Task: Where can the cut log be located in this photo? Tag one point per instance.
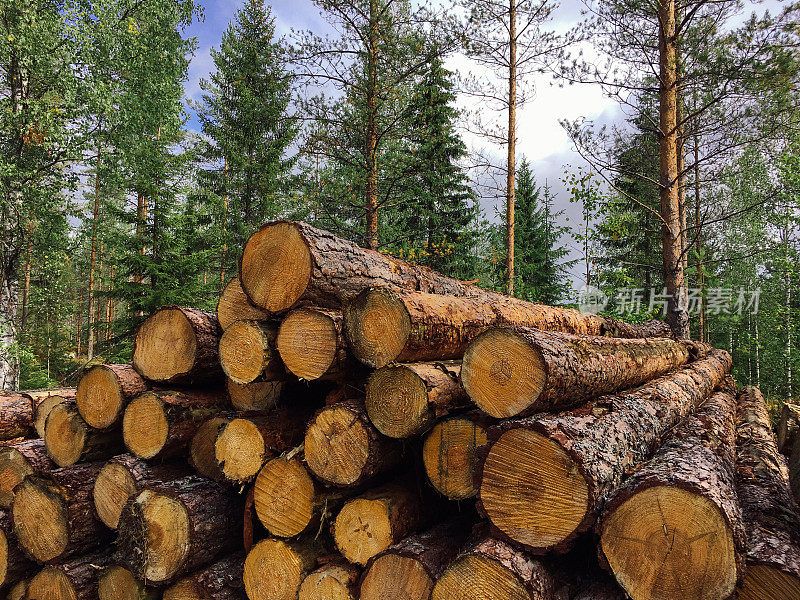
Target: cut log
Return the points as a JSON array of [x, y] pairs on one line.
[[337, 580], [343, 448], [511, 372], [18, 591], [788, 426], [18, 459], [178, 346], [545, 476], [14, 565], [490, 569], [370, 523], [69, 440], [234, 305], [75, 579], [287, 562], [53, 514], [770, 516], [104, 390], [257, 395], [450, 457], [247, 352], [409, 569], [176, 527], [118, 583], [202, 453], [311, 344], [162, 423], [222, 580], [43, 408], [674, 528], [16, 416], [405, 400], [794, 470], [122, 478], [385, 325]]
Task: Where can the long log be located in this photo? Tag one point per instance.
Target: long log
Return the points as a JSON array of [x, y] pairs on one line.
[[14, 565], [292, 559], [222, 580], [450, 455], [115, 582], [16, 416], [18, 459], [674, 528], [75, 579], [312, 346], [247, 352], [103, 392], [405, 400], [521, 371], [233, 305], [43, 407], [257, 395], [408, 570], [544, 476], [122, 478], [178, 345], [53, 514], [386, 325], [337, 580], [174, 528], [162, 423], [343, 448], [770, 515], [69, 439]]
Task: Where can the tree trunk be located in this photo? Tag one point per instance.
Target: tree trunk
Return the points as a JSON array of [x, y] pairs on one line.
[[203, 518], [78, 334], [103, 392], [54, 516], [16, 416], [90, 320], [247, 352], [511, 163], [692, 545], [14, 565], [222, 580], [337, 580], [233, 305], [371, 134], [312, 346], [405, 400], [788, 427], [26, 291], [343, 448], [76, 579], [17, 460], [770, 515], [118, 583], [702, 327], [178, 346], [293, 559], [512, 372], [583, 455], [385, 326], [70, 440]]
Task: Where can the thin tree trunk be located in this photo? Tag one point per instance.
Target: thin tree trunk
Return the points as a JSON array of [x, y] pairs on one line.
[[788, 318], [512, 145], [93, 259], [224, 228], [80, 314], [27, 289], [371, 133], [110, 302], [702, 328], [758, 356]]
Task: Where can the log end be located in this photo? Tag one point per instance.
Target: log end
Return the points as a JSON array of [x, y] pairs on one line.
[[13, 469], [202, 450], [99, 397], [43, 411], [449, 457], [475, 576], [118, 583], [145, 426], [257, 395], [503, 373], [397, 402], [113, 487], [396, 577], [377, 325], [65, 434], [666, 542], [245, 351], [53, 584], [763, 582], [273, 570], [239, 450], [233, 305], [40, 518], [532, 490], [363, 529], [329, 583], [186, 589], [308, 343], [165, 346], [337, 446], [4, 566], [284, 497], [276, 266], [17, 592]]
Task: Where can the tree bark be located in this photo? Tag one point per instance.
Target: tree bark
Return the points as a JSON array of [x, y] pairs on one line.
[[583, 455], [233, 305], [222, 580], [103, 392], [247, 352], [293, 559], [788, 427], [69, 440], [16, 416], [17, 460], [14, 565], [76, 578]]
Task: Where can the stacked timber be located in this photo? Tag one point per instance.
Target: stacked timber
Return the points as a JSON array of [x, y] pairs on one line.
[[348, 425]]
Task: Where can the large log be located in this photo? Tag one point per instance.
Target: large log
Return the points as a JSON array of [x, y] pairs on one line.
[[75, 579], [43, 407], [770, 515], [450, 455], [311, 344], [174, 528], [292, 559], [178, 345], [222, 580], [247, 352], [104, 390], [544, 476], [122, 478], [162, 423], [371, 522], [343, 448], [233, 305], [405, 400], [337, 580], [115, 582], [257, 395], [788, 427], [674, 527], [385, 325], [491, 569], [14, 565], [408, 570], [16, 416], [53, 514], [511, 372], [17, 459], [69, 439]]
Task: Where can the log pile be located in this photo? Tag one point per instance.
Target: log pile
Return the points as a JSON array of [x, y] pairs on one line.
[[348, 425]]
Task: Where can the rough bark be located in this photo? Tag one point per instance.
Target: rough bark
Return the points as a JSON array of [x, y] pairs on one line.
[[312, 346], [233, 305], [16, 416], [247, 352], [178, 345], [405, 400], [53, 514], [75, 579], [293, 559], [583, 455], [17, 459], [103, 392], [69, 440], [693, 543], [521, 371], [194, 509], [788, 426], [769, 513], [222, 580], [385, 325], [14, 565], [343, 448]]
